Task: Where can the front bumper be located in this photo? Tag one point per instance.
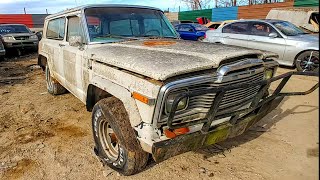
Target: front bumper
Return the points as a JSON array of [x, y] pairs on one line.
[[21, 44], [240, 120]]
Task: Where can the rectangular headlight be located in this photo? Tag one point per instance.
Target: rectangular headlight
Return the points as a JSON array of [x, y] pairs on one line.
[[183, 103]]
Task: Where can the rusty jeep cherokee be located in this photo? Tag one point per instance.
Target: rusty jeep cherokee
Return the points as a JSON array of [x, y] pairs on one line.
[[150, 92]]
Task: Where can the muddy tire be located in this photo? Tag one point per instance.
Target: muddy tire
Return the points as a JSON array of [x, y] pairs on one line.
[[53, 86], [116, 144], [308, 61]]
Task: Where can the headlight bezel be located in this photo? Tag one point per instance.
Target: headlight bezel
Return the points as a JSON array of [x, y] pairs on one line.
[[8, 38], [33, 37], [172, 95]]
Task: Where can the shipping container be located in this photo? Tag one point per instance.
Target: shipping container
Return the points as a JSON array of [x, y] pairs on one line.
[[306, 3], [222, 14], [193, 15]]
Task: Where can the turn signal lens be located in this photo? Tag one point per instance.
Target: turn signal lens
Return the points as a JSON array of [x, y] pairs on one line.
[[142, 98], [172, 134], [268, 74]]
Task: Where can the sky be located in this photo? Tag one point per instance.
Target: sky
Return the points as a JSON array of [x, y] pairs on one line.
[[53, 6]]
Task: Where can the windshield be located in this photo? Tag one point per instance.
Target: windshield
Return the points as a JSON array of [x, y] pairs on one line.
[[288, 29], [115, 24], [200, 27], [6, 29]]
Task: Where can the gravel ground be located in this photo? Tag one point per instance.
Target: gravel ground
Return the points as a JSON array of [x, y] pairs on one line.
[[49, 137]]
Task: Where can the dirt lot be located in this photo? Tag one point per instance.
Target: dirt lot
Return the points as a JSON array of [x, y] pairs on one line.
[[47, 137]]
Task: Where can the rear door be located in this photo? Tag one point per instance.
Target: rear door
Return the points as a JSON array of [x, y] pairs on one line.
[[259, 39], [53, 44], [236, 34]]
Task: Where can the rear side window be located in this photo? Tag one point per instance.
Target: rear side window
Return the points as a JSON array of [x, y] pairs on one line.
[[56, 29], [236, 28]]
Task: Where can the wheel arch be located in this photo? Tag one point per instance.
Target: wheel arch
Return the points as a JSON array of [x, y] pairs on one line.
[[42, 61], [102, 88], [296, 57]]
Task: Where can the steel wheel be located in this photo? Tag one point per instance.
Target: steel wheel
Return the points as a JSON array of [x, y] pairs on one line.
[[308, 61], [109, 140]]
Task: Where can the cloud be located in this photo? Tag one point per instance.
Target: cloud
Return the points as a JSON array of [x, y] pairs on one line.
[[53, 6]]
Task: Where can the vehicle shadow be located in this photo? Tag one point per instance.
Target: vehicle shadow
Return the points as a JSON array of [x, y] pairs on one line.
[[264, 125]]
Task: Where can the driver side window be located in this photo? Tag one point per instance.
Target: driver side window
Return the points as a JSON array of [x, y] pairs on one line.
[[261, 29]]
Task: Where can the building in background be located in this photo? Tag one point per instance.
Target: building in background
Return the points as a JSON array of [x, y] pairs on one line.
[[34, 21]]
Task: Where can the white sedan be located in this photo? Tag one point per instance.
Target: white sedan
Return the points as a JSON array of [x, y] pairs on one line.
[[294, 46]]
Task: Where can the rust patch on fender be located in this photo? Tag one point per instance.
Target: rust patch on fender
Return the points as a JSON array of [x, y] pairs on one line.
[[158, 43]]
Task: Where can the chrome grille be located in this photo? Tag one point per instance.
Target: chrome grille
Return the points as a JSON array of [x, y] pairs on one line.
[[235, 99], [21, 37]]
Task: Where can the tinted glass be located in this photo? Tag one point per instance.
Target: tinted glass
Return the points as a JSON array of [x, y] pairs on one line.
[[56, 29], [116, 24], [186, 28], [261, 29], [288, 28], [5, 29], [236, 28]]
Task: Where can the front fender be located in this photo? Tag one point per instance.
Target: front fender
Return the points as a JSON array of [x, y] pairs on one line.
[[123, 95]]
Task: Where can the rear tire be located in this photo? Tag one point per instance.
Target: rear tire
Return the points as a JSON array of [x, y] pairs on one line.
[[200, 38], [53, 86], [115, 139], [308, 61]]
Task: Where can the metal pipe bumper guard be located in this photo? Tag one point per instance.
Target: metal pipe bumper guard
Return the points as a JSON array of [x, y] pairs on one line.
[[239, 122]]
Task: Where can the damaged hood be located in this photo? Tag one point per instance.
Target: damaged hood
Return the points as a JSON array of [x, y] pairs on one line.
[[162, 59]]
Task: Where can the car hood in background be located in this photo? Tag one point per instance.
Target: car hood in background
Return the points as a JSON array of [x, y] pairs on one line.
[[305, 38], [162, 59], [18, 34]]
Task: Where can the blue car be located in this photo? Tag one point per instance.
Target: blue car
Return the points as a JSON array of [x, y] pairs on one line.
[[193, 32]]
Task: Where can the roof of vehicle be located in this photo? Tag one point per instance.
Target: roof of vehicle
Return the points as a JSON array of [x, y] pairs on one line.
[[12, 25], [190, 24], [99, 5]]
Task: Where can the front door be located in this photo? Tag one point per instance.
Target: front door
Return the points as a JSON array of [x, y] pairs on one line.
[[259, 39], [186, 32], [73, 60]]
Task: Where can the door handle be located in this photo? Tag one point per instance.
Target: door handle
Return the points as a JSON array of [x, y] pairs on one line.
[[62, 45], [252, 40], [227, 36]]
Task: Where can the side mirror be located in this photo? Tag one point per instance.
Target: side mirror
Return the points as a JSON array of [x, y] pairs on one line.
[[75, 41], [273, 35], [33, 31], [191, 30]]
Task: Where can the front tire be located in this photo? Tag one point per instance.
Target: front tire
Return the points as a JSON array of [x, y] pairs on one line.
[[53, 86], [308, 61], [115, 140]]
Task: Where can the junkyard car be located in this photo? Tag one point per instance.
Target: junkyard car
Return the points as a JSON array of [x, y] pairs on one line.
[[192, 31], [294, 46], [2, 51], [149, 91], [18, 36]]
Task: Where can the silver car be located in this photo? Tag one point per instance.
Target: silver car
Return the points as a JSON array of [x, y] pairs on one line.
[[294, 46]]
